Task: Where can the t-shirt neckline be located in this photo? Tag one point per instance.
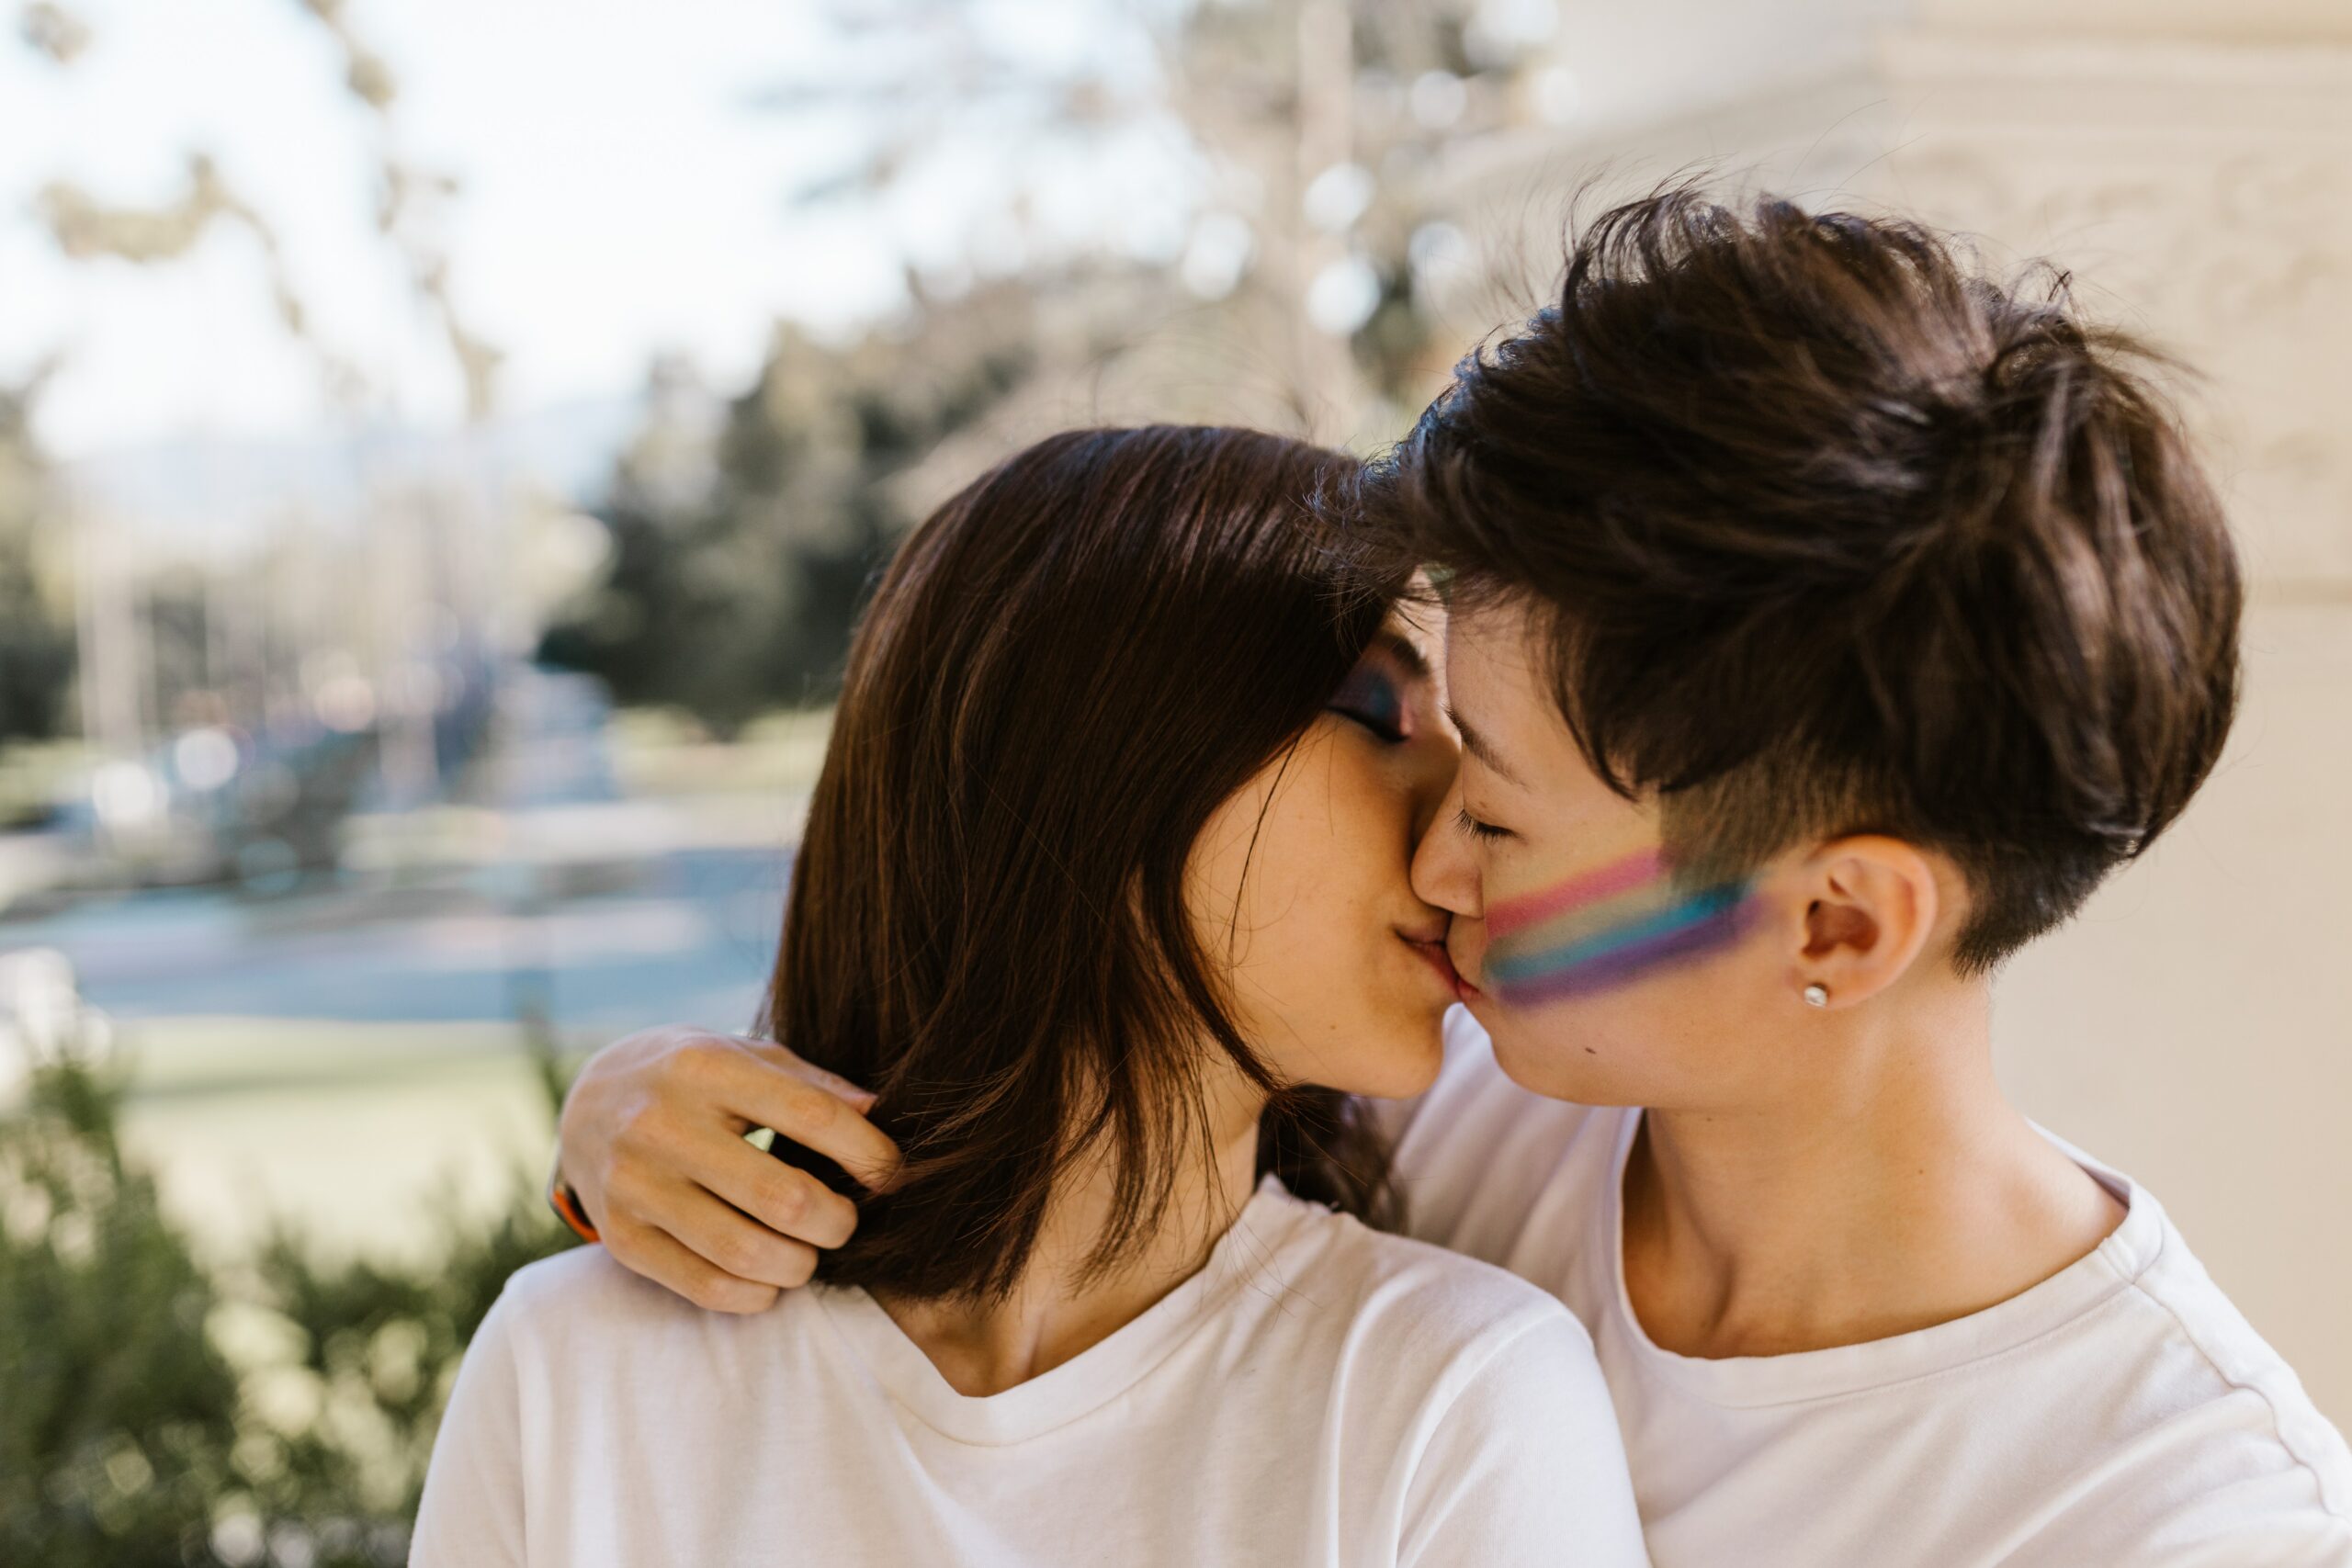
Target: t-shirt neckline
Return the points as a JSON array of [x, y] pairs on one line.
[[2120, 1259], [1089, 1380]]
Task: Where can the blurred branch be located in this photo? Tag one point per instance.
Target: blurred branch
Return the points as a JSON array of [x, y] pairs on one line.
[[407, 206], [1294, 143], [370, 79], [86, 228], [165, 1409], [54, 32]]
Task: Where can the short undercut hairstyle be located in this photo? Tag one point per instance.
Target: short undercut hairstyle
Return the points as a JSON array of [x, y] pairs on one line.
[[1827, 533]]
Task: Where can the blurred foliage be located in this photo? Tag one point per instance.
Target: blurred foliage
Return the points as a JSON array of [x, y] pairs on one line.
[[36, 632], [159, 1413], [53, 30], [1302, 159], [1288, 264], [735, 571], [409, 200], [121, 1419], [1257, 196]]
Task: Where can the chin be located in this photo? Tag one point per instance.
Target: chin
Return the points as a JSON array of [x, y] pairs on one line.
[[1549, 1061]]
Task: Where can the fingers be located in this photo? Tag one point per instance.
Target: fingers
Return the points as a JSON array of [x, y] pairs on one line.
[[769, 1050], [665, 1259], [798, 1101], [786, 1198], [651, 1136], [729, 1242]]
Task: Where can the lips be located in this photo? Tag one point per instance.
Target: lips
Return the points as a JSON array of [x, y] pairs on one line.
[[1463, 989], [1433, 953]]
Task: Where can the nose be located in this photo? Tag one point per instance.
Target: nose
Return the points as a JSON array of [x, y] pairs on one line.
[[1445, 871]]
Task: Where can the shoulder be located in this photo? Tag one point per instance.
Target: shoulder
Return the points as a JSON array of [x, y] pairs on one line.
[[1483, 1399], [1465, 1404], [1411, 1303], [2231, 1451], [573, 1279], [582, 1296], [2251, 1399]]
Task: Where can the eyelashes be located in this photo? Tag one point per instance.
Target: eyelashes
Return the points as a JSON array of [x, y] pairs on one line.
[[1485, 831]]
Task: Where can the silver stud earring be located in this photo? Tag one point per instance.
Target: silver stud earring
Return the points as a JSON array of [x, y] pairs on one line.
[[1817, 995]]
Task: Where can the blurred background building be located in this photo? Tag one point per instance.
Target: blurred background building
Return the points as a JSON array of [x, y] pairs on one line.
[[441, 448]]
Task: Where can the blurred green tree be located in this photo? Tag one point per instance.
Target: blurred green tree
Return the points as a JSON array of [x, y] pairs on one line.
[[129, 1438], [119, 1418], [1294, 165], [36, 631], [734, 596], [1258, 234]]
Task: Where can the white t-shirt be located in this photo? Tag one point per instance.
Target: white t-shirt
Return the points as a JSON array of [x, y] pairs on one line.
[[2120, 1413], [1318, 1393]]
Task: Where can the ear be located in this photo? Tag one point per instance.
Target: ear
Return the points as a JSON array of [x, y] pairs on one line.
[[1871, 904]]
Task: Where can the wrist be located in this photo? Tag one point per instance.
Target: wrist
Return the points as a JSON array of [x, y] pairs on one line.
[[565, 1201]]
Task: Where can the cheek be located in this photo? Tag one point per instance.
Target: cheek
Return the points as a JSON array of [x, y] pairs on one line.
[[1335, 992], [1280, 893], [1592, 1051], [1319, 881], [1679, 1040], [1337, 834]]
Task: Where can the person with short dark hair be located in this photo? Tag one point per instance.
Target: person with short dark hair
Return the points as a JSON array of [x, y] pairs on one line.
[[1825, 622], [1109, 948]]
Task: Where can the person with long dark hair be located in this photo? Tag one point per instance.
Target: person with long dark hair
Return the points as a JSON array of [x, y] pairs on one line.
[[1103, 891]]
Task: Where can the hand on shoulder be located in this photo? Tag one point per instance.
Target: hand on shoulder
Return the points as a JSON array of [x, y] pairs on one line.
[[653, 1139]]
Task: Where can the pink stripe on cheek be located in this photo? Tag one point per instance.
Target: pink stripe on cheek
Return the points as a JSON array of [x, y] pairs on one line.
[[1619, 876]]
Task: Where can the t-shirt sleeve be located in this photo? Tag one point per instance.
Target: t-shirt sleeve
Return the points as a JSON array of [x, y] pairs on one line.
[[2259, 1519], [471, 1510], [1526, 1465]]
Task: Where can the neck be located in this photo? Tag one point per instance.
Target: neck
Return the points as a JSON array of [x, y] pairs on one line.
[[1898, 1192], [1053, 1311]]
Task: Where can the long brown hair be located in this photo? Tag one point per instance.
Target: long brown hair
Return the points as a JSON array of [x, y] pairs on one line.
[[1066, 670]]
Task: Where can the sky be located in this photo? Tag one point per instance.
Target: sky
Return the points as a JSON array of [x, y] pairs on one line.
[[623, 188], [624, 195]]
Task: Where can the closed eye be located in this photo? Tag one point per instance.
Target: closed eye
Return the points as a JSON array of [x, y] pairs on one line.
[[1388, 732], [1372, 697], [1485, 831]]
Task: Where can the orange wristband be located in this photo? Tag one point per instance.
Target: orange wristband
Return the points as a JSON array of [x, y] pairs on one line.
[[565, 1204]]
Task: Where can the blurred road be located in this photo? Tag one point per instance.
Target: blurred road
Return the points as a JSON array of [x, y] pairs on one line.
[[546, 888], [336, 1053]]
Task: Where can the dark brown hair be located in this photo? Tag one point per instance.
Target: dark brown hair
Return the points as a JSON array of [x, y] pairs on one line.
[[1065, 672], [1828, 534]]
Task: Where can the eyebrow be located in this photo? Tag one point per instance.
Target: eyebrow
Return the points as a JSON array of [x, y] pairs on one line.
[[1478, 746], [1411, 657]]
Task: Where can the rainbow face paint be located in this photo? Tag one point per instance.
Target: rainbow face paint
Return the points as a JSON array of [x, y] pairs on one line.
[[1605, 927]]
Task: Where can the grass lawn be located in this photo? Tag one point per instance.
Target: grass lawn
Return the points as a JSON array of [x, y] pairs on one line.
[[350, 1130]]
